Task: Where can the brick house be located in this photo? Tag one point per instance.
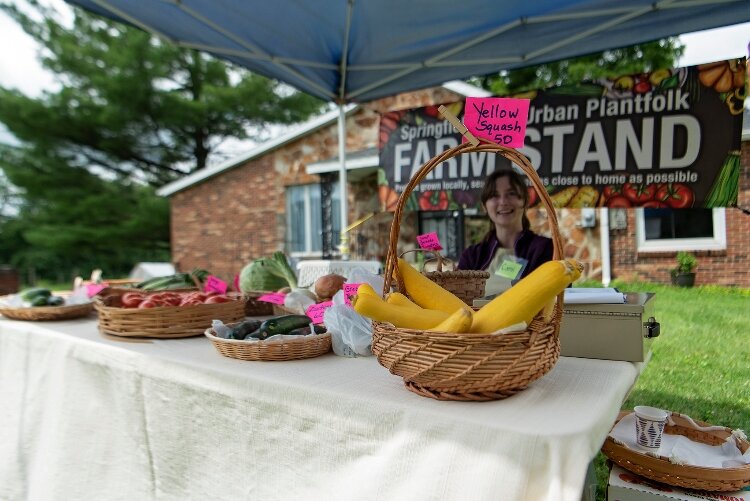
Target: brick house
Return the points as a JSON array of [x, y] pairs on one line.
[[282, 195]]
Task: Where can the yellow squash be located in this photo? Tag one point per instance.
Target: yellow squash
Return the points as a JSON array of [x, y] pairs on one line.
[[459, 321], [365, 288], [427, 293], [401, 316], [525, 299], [401, 300]]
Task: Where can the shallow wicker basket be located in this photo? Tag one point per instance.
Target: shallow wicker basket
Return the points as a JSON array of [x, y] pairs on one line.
[[288, 349], [255, 308], [163, 322], [660, 469], [451, 366], [47, 313]]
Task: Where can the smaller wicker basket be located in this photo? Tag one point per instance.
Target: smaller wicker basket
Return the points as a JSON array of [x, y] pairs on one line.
[[287, 349], [45, 313], [467, 285], [164, 322], [660, 469]]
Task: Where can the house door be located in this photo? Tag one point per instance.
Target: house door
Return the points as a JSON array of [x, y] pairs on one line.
[[449, 226]]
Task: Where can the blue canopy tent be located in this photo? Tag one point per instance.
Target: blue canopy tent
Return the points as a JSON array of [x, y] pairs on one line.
[[347, 50]]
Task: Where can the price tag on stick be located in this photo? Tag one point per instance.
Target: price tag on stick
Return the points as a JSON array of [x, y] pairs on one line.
[[349, 291], [273, 298], [215, 284], [499, 119], [429, 241], [316, 311]]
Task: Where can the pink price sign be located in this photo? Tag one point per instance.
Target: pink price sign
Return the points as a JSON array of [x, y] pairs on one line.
[[429, 241], [94, 289], [316, 311], [349, 291], [236, 283], [499, 119], [215, 284], [273, 298]]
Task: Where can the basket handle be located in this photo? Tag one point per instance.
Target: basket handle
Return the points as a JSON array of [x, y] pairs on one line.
[[391, 261], [437, 256]]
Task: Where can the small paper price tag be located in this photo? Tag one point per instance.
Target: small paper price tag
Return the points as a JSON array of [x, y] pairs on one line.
[[429, 241], [349, 291], [94, 289], [315, 311], [511, 267], [273, 298], [215, 284], [236, 283]]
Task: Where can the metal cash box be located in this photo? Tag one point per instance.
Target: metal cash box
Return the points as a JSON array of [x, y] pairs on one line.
[[610, 331]]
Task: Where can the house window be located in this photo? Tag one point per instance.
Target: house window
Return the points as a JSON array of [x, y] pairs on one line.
[[304, 219], [670, 230]]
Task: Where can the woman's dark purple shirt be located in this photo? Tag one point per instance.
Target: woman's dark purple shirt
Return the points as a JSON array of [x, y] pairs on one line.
[[536, 249]]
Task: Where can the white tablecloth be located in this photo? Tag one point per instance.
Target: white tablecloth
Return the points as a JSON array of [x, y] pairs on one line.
[[84, 417]]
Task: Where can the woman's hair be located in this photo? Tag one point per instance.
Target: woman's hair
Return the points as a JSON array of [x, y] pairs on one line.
[[517, 181]]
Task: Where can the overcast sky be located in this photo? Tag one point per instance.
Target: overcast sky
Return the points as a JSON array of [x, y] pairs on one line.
[[19, 67]]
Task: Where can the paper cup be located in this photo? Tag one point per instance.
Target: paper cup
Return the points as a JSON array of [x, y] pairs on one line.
[[649, 427]]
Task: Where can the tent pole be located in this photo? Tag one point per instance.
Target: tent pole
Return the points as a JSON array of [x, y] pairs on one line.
[[344, 243]]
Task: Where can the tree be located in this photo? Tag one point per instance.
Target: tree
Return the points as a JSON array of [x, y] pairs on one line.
[[627, 60], [131, 104], [132, 112]]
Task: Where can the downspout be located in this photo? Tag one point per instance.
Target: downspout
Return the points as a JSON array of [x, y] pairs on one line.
[[604, 237]]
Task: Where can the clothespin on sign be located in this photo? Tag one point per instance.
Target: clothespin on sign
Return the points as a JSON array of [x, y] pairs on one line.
[[458, 125]]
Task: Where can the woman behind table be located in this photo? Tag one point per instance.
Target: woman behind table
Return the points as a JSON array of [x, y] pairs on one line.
[[510, 250]]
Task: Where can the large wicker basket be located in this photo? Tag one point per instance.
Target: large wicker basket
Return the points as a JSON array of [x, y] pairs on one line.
[[660, 469], [451, 366], [274, 350], [164, 322], [47, 313]]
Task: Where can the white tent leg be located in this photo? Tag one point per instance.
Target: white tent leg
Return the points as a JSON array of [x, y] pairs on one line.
[[344, 244], [604, 238]]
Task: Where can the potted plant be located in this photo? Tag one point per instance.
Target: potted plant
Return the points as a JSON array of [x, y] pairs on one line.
[[683, 275]]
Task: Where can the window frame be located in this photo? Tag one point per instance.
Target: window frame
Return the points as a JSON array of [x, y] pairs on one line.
[[717, 242], [308, 215]]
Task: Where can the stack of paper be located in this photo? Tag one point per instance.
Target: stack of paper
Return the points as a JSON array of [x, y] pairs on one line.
[[593, 295]]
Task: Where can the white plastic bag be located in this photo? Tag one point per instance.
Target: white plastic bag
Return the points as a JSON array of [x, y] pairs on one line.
[[351, 333]]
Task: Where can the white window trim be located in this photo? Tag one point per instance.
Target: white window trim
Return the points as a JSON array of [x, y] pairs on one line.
[[307, 254], [718, 242]]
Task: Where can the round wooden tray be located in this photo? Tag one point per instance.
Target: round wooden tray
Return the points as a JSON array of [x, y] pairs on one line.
[[291, 349], [660, 469], [46, 313]]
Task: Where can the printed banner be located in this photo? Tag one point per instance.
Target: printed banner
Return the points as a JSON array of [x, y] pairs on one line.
[[669, 138]]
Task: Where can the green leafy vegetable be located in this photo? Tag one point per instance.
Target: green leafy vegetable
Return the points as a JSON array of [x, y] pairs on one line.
[[268, 274]]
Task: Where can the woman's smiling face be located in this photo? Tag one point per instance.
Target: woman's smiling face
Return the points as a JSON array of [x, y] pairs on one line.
[[506, 207]]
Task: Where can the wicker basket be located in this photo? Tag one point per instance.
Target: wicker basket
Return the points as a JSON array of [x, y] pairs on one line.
[[660, 469], [255, 308], [163, 322], [467, 285], [44, 313], [451, 366], [288, 349]]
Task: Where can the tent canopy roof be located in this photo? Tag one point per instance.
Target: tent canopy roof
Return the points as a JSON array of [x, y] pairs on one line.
[[355, 50]]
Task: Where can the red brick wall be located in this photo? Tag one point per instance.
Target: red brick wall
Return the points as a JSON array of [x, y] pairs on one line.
[[725, 267]]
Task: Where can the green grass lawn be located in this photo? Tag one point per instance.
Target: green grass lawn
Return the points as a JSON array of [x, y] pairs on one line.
[[701, 362]]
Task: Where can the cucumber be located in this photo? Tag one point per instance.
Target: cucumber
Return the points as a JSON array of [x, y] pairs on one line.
[[283, 324], [241, 330], [39, 301], [30, 294], [55, 301], [304, 331]]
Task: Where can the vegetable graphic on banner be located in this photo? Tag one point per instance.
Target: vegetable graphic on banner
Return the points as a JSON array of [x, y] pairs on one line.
[[660, 139]]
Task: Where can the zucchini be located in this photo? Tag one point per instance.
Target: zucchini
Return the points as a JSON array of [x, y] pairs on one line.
[[282, 325], [30, 294], [55, 301], [241, 330], [304, 331], [39, 301]]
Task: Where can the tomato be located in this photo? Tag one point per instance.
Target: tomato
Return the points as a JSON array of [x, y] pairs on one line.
[[654, 204], [131, 299], [217, 299], [618, 202], [675, 195], [433, 200], [533, 196], [148, 304], [195, 295], [210, 293], [639, 193], [172, 300]]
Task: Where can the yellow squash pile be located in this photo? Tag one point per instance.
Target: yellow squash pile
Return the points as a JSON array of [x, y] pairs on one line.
[[433, 308]]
